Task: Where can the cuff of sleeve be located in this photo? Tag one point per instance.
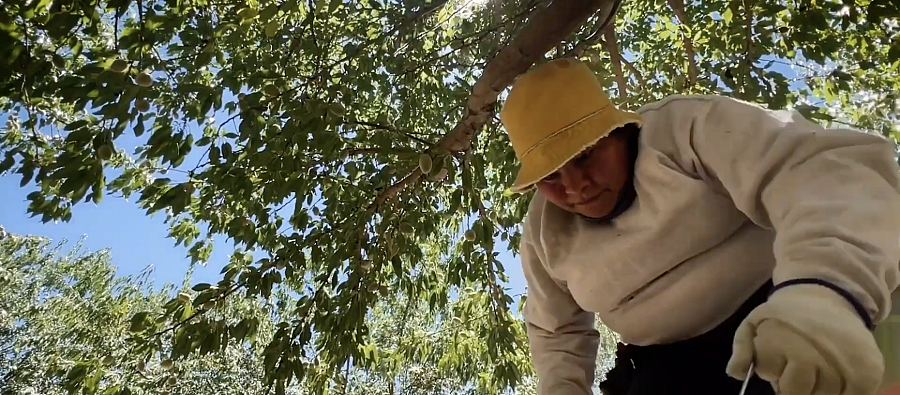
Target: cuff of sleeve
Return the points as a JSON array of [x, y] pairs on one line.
[[857, 305]]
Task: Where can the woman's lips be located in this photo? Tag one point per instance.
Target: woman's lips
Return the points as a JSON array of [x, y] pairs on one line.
[[591, 199]]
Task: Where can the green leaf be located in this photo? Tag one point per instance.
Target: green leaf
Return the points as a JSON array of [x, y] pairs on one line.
[[894, 52], [138, 321], [333, 5], [76, 125], [311, 173]]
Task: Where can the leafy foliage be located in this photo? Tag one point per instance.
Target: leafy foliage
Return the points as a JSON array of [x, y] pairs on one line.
[[65, 323], [298, 129]]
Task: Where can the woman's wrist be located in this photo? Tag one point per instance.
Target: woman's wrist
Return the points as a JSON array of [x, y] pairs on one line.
[[827, 290]]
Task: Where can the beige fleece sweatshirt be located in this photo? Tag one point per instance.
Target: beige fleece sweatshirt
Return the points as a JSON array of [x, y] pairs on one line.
[[729, 195]]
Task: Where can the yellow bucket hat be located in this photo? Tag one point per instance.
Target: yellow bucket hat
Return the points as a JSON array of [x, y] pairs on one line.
[[553, 113]]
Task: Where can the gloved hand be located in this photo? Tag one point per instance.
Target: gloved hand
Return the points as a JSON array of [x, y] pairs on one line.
[[807, 339]]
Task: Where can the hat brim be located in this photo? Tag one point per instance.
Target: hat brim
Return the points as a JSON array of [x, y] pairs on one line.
[[558, 150]]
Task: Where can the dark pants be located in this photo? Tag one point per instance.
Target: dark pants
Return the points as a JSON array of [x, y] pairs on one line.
[[694, 366]]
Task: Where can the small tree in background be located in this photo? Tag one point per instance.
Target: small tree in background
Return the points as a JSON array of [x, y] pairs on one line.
[[65, 321]]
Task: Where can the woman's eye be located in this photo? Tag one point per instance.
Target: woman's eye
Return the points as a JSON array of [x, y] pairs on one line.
[[583, 157]]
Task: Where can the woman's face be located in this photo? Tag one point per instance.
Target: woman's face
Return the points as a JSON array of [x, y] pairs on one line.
[[590, 183]]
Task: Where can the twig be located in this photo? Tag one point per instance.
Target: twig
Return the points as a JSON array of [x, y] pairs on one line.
[[27, 98], [116, 31], [312, 31], [748, 45], [200, 311], [143, 49], [169, 73], [482, 211], [611, 42], [401, 325], [636, 72], [285, 204], [390, 129], [688, 42], [592, 40], [437, 25], [376, 151], [390, 192]]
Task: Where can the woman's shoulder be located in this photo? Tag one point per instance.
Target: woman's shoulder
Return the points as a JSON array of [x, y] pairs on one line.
[[531, 224], [544, 217], [681, 103]]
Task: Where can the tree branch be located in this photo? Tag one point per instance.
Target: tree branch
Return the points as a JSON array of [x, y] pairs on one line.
[[636, 72], [380, 38], [417, 16], [377, 151], [688, 42], [392, 129], [199, 312], [611, 42], [389, 192], [479, 37], [548, 27], [592, 40], [748, 45]]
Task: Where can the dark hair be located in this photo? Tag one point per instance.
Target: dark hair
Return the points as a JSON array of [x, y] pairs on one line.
[[627, 130]]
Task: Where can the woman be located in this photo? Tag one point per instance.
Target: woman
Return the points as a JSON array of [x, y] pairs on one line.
[[708, 233]]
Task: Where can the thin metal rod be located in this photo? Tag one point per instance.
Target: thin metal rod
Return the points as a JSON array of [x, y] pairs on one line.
[[747, 380]]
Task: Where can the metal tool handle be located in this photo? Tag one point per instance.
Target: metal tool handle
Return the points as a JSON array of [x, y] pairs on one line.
[[747, 379]]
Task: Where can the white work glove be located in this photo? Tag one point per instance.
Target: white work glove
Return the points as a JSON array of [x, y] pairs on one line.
[[808, 340]]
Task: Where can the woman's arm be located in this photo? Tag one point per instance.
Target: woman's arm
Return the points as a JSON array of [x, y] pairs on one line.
[[562, 335], [888, 337], [831, 195]]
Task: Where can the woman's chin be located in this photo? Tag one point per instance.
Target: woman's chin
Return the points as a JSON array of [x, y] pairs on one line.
[[595, 210]]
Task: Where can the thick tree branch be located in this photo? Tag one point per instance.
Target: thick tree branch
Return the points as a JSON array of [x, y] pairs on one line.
[[611, 42], [548, 27], [688, 42], [479, 37]]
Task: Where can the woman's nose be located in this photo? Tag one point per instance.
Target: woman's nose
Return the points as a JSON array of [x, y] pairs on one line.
[[574, 180]]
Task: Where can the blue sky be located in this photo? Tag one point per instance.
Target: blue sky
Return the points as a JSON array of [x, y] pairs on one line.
[[136, 240]]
